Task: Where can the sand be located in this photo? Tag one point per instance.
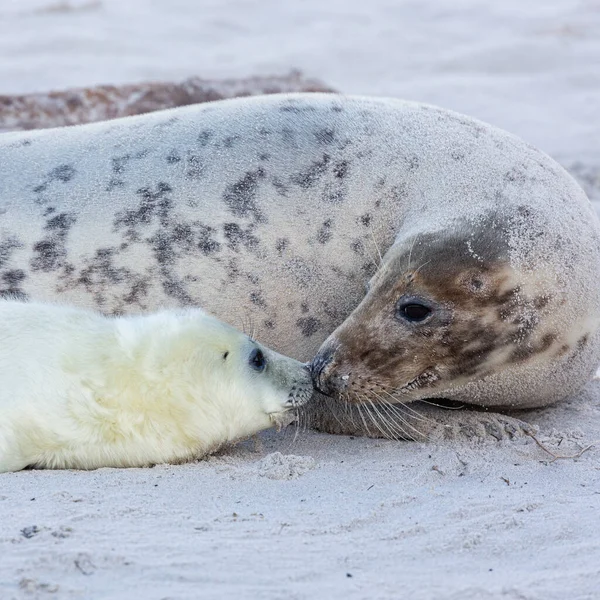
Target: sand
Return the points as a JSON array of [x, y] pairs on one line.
[[327, 516]]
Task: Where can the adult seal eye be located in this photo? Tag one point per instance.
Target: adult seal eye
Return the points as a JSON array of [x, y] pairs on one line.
[[257, 360], [414, 312]]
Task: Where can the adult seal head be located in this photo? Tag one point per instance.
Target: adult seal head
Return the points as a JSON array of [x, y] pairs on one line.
[[480, 312], [275, 210]]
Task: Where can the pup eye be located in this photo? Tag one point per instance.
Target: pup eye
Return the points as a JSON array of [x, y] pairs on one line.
[[225, 354], [414, 312], [257, 360]]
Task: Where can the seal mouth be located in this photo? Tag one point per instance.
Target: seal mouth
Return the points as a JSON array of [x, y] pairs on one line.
[[425, 379], [297, 400], [300, 393], [281, 419]]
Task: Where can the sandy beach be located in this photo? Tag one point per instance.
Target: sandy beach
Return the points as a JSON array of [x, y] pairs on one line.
[[307, 515]]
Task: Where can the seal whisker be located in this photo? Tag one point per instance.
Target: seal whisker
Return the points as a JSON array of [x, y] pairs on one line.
[[297, 429], [396, 408], [305, 420], [374, 416], [251, 328], [376, 248], [395, 428], [445, 407], [333, 410], [349, 410], [389, 421], [248, 325], [370, 416], [298, 423], [411, 251], [404, 405], [400, 432], [420, 267], [242, 324], [397, 419], [392, 425], [360, 412], [400, 416]]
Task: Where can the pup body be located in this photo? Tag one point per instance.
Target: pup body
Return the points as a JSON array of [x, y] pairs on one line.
[[80, 390]]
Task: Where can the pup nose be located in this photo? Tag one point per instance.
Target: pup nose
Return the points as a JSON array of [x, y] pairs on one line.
[[320, 371]]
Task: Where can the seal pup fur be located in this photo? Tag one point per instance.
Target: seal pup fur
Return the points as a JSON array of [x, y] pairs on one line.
[[81, 391], [275, 209]]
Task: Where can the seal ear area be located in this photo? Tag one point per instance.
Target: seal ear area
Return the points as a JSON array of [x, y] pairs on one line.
[[477, 282]]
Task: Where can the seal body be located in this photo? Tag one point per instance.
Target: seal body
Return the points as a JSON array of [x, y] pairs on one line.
[[81, 390], [277, 211]]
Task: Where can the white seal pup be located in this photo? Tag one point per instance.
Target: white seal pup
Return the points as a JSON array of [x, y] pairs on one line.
[[79, 390], [276, 209]]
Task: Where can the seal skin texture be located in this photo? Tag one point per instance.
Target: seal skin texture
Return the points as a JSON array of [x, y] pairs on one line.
[[277, 212], [80, 390]]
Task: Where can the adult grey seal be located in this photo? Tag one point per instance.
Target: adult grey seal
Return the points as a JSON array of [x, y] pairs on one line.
[[482, 253]]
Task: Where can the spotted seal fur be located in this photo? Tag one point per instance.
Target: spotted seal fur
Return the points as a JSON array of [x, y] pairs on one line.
[[79, 390], [275, 210]]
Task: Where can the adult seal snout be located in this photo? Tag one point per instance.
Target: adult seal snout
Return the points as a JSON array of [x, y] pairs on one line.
[[481, 254]]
